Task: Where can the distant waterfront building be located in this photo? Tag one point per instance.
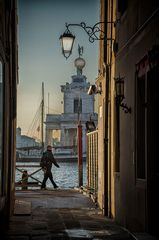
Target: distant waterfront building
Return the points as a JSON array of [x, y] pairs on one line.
[[26, 146], [78, 106], [24, 141]]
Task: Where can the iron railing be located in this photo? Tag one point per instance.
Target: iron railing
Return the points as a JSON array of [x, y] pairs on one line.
[[92, 162]]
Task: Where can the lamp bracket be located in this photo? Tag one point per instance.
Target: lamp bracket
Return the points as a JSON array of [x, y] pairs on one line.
[[94, 33]]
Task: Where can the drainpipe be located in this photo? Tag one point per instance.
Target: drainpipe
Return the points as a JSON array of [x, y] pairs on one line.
[[109, 109], [80, 162], [107, 146], [106, 120]]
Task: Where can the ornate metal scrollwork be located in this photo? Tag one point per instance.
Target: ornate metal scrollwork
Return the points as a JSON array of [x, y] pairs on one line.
[[94, 33]]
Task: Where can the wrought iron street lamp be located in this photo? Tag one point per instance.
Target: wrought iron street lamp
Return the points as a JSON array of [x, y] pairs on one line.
[[119, 87], [94, 33], [67, 40]]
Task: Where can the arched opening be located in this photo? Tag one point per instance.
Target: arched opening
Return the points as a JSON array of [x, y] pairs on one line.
[[63, 100]]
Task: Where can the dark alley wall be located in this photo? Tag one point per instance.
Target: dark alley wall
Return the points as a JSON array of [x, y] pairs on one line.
[[9, 78], [137, 35]]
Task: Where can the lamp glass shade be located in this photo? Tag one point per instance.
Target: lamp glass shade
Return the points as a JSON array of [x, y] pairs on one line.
[[119, 88], [67, 40]]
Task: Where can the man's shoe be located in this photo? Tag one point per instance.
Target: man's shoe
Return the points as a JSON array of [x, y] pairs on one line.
[[56, 187]]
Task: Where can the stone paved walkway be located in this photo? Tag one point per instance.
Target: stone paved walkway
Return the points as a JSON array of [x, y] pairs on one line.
[[60, 214]]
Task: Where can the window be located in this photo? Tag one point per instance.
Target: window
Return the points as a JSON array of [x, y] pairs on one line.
[[77, 105], [140, 128], [1, 122]]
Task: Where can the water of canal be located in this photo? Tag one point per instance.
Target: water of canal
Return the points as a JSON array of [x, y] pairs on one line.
[[65, 177]]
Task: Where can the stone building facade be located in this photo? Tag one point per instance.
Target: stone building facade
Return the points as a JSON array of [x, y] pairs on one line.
[[128, 142]]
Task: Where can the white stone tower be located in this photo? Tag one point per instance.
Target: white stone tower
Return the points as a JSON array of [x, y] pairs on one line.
[[78, 106]]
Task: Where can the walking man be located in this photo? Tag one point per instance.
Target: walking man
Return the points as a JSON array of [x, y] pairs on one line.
[[46, 163]]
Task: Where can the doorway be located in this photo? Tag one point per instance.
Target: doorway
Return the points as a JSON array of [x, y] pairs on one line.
[[152, 149]]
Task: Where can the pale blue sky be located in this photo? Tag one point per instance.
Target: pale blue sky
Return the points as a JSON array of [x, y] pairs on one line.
[[41, 22]]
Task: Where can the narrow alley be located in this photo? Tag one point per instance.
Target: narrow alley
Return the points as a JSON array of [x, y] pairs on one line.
[[60, 214], [79, 84]]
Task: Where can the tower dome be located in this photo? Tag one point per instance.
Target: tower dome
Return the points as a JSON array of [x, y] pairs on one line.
[[79, 64]]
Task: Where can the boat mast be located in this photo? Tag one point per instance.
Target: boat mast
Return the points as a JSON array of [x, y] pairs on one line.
[[42, 118], [48, 101]]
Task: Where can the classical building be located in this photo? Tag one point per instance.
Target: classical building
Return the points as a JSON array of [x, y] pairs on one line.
[[78, 107]]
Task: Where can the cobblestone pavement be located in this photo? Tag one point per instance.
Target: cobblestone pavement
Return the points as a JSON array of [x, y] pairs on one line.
[[60, 214]]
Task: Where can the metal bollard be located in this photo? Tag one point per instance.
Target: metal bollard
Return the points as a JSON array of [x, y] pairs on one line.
[[24, 180]]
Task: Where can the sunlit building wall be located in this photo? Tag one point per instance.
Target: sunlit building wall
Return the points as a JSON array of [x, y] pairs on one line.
[[128, 165]]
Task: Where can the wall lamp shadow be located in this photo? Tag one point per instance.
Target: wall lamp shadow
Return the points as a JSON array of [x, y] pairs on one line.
[[119, 88]]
